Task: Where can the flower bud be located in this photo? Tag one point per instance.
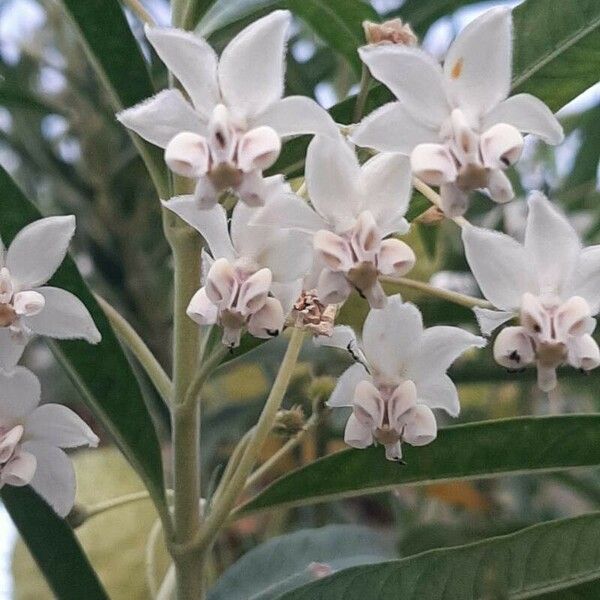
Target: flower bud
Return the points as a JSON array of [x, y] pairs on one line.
[[289, 422], [393, 31]]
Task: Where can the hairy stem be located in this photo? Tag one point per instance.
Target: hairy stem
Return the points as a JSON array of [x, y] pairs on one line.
[[138, 348], [137, 8]]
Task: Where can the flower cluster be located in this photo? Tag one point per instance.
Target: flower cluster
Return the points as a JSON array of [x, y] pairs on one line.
[[280, 253], [31, 436]]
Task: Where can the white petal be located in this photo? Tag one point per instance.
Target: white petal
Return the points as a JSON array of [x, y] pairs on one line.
[[343, 336], [253, 292], [529, 115], [252, 65], [297, 115], [333, 250], [332, 177], [20, 470], [551, 243], [403, 399], [289, 255], [499, 187], [205, 195], [54, 478], [248, 241], [188, 155], [268, 321], [478, 65], [501, 146], [59, 426], [333, 287], [392, 334], [584, 353], [289, 212], [28, 303], [586, 278], [212, 224], [258, 149], [287, 294], [391, 128], [489, 320], [255, 190], [221, 283], [38, 249], [160, 118], [440, 392], [433, 163], [201, 309], [386, 185], [356, 434], [64, 317], [413, 76], [343, 392], [19, 395], [11, 348], [421, 428], [499, 265], [192, 61], [395, 257], [513, 348]]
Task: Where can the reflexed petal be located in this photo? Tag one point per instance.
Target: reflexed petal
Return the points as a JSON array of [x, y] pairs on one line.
[[252, 65], [395, 257], [192, 61], [439, 392], [392, 334], [433, 163], [334, 250], [11, 348], [268, 321], [586, 278], [529, 115], [501, 146], [64, 317], [296, 115], [221, 283], [343, 394], [253, 292], [489, 320], [453, 201], [421, 428], [386, 185], [19, 395], [54, 478], [391, 128], [289, 212], [572, 318], [402, 400], [499, 187], [584, 353], [356, 434], [58, 426], [478, 65], [188, 155], [8, 442], [20, 470], [201, 309], [38, 249], [551, 243], [499, 265], [535, 318], [513, 348], [160, 118], [28, 303], [413, 76], [368, 404], [464, 139], [333, 287], [212, 224], [366, 239], [258, 149], [332, 176]]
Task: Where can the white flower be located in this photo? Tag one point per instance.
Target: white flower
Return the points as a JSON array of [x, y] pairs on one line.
[[549, 281], [233, 127], [456, 122], [31, 438], [399, 378], [28, 307], [254, 275], [355, 209]]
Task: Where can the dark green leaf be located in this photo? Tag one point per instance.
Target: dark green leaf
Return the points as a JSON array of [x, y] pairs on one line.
[[53, 545], [533, 562], [421, 15], [485, 449]]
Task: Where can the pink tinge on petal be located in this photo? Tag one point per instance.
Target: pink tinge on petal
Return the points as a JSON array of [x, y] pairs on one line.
[[19, 471], [357, 434], [395, 257], [28, 304], [333, 287], [268, 321], [403, 399], [499, 186], [6, 286], [535, 318], [584, 352], [368, 405], [501, 146], [572, 318], [255, 190], [465, 142], [374, 294], [513, 348], [365, 239], [206, 194], [188, 155], [201, 309], [334, 250], [254, 291], [222, 137], [258, 149], [433, 163], [420, 428], [221, 283], [9, 441]]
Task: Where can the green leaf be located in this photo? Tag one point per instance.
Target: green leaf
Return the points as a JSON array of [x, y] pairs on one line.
[[101, 373], [557, 49], [421, 15], [548, 557], [53, 545], [283, 563], [14, 97], [484, 449], [337, 22]]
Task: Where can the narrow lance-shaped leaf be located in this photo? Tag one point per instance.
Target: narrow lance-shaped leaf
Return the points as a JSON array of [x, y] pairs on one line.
[[485, 449]]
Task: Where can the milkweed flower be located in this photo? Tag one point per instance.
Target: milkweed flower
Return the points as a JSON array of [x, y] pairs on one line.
[[253, 275], [32, 439], [549, 282], [457, 123], [355, 209], [232, 129], [399, 378], [27, 306]]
